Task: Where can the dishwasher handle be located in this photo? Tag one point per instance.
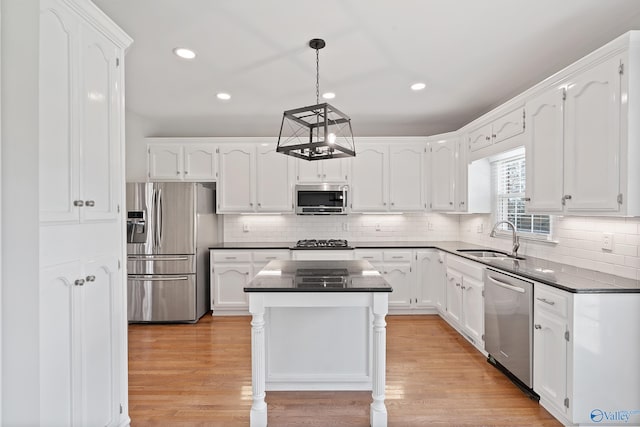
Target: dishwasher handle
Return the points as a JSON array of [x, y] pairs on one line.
[[506, 285]]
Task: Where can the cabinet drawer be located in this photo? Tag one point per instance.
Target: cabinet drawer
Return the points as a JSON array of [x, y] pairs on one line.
[[551, 300], [231, 256], [367, 255], [393, 256], [266, 256]]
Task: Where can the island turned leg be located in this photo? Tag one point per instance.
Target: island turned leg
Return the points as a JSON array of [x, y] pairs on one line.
[[378, 417], [258, 416]]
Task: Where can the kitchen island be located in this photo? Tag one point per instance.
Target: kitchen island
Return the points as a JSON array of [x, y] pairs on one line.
[[318, 325]]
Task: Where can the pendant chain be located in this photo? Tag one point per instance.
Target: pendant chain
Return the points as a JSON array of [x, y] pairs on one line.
[[317, 76]]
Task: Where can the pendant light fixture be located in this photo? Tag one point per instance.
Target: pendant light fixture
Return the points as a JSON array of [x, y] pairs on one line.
[[319, 131]]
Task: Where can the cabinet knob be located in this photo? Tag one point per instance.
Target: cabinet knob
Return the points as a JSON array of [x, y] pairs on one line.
[[90, 203], [537, 326], [451, 203], [79, 203], [462, 287], [91, 278], [461, 203], [488, 138], [246, 273], [259, 204], [493, 136], [393, 204], [186, 172], [250, 204], [79, 282], [567, 197], [384, 203], [527, 199], [177, 172]]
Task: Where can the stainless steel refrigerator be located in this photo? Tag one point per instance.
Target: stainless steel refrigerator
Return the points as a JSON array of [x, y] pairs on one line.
[[170, 227]]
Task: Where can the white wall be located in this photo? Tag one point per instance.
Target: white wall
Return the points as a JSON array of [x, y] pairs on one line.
[[289, 228], [579, 242], [136, 129], [20, 223]]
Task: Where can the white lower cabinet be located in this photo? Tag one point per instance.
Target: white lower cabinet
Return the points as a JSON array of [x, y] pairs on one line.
[[414, 275], [79, 338], [585, 365], [550, 346], [231, 271], [465, 298], [430, 277]]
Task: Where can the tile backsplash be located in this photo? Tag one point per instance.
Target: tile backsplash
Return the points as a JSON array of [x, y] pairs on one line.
[[289, 228], [578, 242]]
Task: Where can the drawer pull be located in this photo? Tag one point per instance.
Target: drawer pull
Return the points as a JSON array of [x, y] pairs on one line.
[[270, 257], [229, 257], [397, 257], [546, 301]]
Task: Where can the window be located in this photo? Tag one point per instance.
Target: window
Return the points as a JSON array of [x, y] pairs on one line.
[[509, 175]]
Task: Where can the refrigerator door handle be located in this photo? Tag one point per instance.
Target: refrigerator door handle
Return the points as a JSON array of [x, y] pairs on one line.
[[152, 258], [142, 278], [156, 226], [160, 219]]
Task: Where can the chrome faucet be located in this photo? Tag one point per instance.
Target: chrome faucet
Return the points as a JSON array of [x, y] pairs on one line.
[[516, 240]]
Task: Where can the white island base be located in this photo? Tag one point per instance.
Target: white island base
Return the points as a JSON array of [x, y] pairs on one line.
[[318, 341]]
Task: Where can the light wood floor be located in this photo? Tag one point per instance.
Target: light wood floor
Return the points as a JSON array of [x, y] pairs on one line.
[[200, 375]]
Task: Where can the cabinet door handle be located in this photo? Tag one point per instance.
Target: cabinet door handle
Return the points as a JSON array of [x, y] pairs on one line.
[[91, 278], [90, 203], [537, 326], [546, 301], [79, 203], [79, 282]]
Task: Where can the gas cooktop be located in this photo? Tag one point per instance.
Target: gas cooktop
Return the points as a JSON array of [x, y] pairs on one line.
[[322, 244]]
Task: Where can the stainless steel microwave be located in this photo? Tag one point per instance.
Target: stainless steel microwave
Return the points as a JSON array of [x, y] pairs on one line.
[[321, 199]]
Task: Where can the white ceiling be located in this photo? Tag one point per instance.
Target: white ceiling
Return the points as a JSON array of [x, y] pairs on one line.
[[472, 54]]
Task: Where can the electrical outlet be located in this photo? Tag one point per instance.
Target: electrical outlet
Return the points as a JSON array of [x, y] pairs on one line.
[[378, 228], [430, 226], [607, 241], [345, 226], [480, 228], [245, 227]]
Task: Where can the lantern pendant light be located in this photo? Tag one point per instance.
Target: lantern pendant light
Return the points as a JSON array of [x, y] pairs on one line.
[[319, 131]]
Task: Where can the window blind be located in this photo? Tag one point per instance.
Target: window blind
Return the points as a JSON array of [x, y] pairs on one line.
[[509, 177]]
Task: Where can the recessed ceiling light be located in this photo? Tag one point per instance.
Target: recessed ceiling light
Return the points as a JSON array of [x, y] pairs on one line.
[[328, 95], [418, 86], [224, 96], [184, 53]]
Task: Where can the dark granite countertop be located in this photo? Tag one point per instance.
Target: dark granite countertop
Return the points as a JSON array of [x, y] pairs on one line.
[[562, 276], [318, 276], [253, 245]]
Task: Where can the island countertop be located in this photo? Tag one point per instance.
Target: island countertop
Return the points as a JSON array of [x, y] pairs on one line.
[[318, 276]]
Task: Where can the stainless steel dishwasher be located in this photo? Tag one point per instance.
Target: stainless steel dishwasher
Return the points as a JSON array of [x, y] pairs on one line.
[[508, 323]]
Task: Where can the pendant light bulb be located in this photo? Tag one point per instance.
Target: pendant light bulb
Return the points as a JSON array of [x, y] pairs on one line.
[[331, 138]]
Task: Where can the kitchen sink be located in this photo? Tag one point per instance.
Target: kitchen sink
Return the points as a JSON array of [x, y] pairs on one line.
[[488, 254]]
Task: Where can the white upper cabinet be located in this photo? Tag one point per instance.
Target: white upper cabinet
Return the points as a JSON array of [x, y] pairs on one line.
[[574, 154], [79, 134], [592, 139], [274, 189], [331, 170], [405, 177], [173, 159], [443, 174], [369, 183], [199, 162], [388, 177], [500, 129], [544, 152], [254, 178], [236, 192]]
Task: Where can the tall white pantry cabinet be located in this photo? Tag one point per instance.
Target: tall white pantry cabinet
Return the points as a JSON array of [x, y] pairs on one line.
[[82, 304]]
